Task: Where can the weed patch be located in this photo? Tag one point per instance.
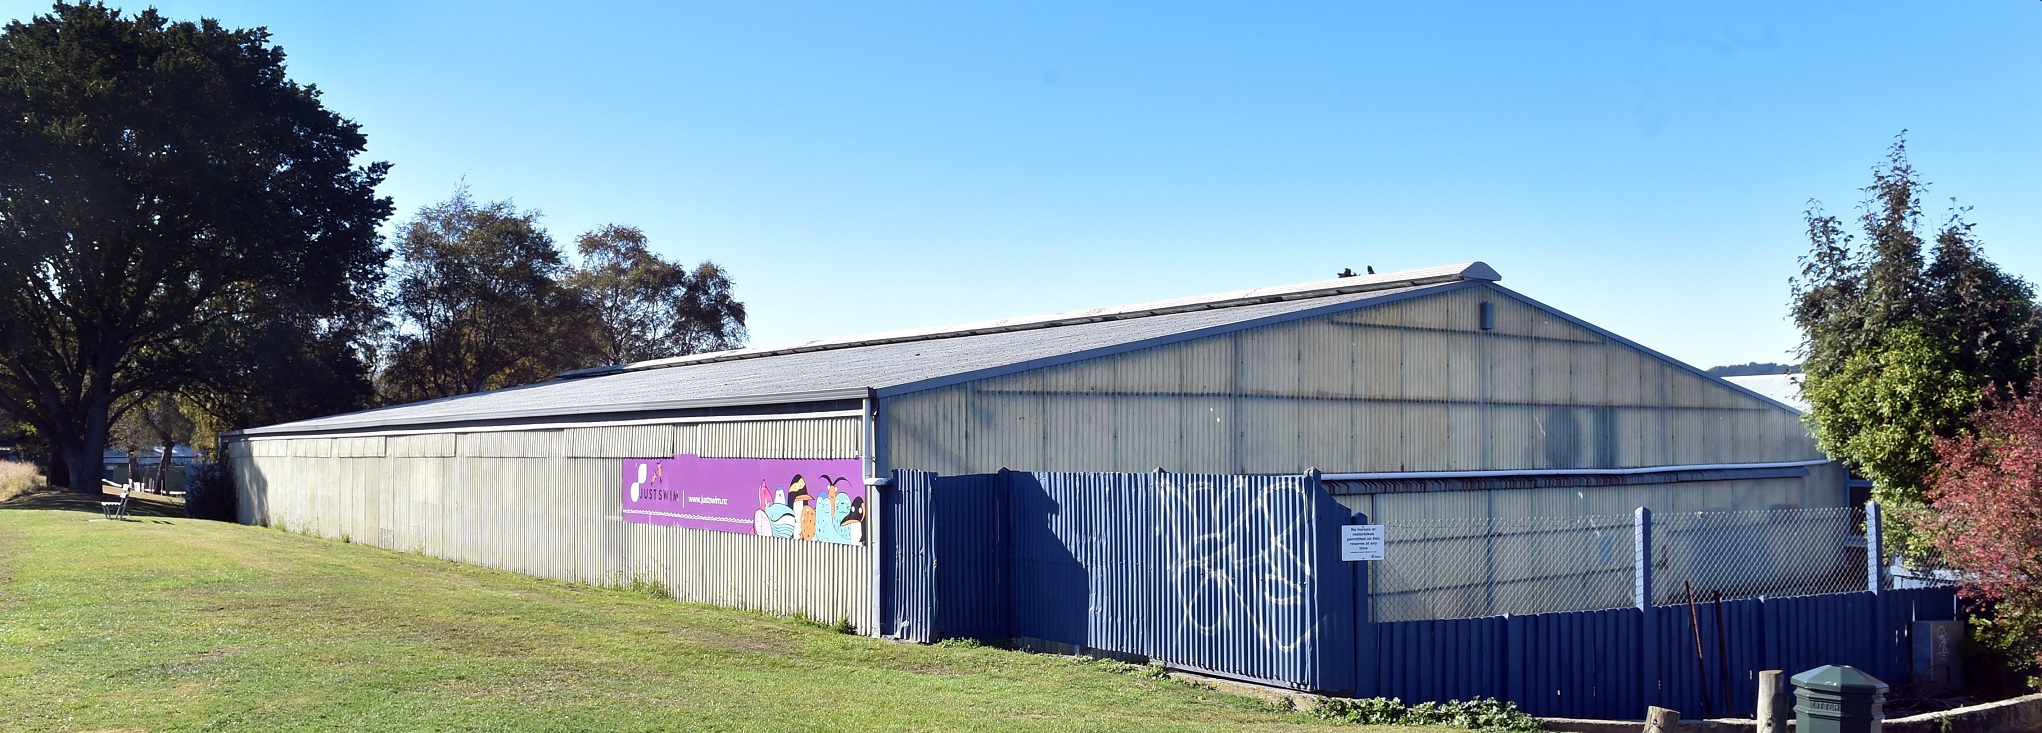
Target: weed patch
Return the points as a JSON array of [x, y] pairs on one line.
[[1486, 714], [18, 478], [841, 626]]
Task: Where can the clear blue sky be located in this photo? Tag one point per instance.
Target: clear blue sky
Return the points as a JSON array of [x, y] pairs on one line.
[[1643, 165]]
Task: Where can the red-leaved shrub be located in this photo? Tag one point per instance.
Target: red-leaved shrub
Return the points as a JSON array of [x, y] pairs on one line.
[[1984, 520]]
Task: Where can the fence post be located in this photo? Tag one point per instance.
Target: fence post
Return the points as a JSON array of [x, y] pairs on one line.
[[1875, 549], [1641, 592], [1367, 670], [1875, 581]]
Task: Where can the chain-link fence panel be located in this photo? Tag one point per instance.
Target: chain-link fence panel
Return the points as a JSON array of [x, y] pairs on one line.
[[1460, 568], [1747, 554]]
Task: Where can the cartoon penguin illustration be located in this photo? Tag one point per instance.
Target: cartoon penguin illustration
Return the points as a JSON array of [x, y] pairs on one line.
[[854, 523], [785, 511]]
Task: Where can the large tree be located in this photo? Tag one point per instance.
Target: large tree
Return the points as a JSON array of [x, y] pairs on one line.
[[1900, 349], [165, 189], [646, 307], [484, 299], [479, 304]]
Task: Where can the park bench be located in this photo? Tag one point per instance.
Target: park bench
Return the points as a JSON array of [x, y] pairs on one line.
[[116, 509]]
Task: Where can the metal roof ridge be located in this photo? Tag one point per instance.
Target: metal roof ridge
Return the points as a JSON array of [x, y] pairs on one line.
[[1277, 293]]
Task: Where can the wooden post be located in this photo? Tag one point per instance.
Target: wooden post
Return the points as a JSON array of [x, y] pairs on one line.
[[1723, 655], [1772, 703], [1661, 720], [1694, 623]]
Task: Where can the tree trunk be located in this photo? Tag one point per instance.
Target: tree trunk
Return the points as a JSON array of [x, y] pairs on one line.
[[87, 458], [85, 468], [163, 466], [57, 473]]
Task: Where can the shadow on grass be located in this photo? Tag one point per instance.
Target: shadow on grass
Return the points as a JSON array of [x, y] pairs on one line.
[[141, 507]]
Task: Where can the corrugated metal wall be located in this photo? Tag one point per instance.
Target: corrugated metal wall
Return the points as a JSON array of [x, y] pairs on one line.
[[1408, 386], [547, 502]]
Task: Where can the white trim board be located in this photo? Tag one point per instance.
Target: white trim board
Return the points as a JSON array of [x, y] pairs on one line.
[[540, 427]]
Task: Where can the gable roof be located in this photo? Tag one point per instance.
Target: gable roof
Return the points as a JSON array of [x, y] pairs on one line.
[[891, 363]]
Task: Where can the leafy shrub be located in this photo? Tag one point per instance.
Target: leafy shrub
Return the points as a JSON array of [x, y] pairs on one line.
[[1981, 521], [209, 492], [1484, 714], [1276, 705]]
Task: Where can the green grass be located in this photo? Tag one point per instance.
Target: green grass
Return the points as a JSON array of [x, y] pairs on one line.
[[165, 623]]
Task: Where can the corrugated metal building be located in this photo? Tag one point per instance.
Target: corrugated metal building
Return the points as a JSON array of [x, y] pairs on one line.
[[1782, 388], [1428, 393]]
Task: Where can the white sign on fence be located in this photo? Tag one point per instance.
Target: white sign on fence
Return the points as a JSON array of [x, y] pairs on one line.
[[1361, 542]]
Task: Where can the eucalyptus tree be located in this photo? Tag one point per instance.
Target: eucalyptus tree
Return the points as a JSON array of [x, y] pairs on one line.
[[478, 303], [646, 307]]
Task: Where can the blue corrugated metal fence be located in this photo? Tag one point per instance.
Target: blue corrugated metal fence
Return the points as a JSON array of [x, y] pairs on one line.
[[1611, 664], [907, 539], [1216, 573], [972, 591], [1241, 576]]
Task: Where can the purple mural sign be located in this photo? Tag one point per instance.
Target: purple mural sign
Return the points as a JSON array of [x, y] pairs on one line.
[[821, 500]]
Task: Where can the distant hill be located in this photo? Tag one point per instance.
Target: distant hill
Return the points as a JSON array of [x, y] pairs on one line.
[[1754, 368]]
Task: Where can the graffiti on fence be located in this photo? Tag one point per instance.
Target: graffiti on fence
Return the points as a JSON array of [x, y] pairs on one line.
[[1239, 559]]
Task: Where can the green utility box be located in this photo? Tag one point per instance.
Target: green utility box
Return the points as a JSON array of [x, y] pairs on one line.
[[1838, 699]]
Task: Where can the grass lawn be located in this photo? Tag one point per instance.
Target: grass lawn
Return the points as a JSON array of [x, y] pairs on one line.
[[166, 623]]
